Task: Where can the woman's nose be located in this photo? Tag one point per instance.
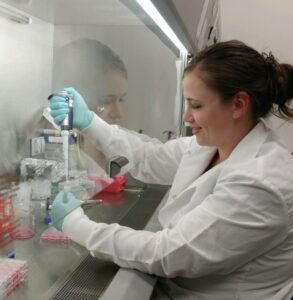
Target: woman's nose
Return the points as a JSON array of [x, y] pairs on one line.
[[116, 110], [187, 116]]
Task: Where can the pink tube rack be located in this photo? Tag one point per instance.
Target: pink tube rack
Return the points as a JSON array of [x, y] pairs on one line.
[[22, 234], [12, 273], [53, 236]]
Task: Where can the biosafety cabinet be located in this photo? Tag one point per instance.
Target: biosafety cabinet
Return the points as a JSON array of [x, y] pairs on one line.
[[129, 72], [47, 45]]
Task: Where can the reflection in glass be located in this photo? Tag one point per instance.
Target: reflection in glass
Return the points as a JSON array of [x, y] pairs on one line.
[[100, 75], [97, 72]]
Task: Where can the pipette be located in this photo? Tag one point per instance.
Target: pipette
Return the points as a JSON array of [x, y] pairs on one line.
[[85, 203], [66, 126]]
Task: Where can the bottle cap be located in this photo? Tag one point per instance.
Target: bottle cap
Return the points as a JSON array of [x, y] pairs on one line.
[[47, 219], [10, 254]]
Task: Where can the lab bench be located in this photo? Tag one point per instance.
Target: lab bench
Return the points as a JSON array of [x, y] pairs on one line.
[[70, 272]]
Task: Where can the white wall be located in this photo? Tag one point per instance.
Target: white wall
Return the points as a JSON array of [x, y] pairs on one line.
[[25, 76], [265, 25]]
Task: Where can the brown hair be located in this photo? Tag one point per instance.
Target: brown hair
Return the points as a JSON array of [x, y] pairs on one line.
[[230, 67]]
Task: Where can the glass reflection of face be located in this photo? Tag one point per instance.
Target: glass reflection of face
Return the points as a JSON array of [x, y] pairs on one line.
[[111, 96]]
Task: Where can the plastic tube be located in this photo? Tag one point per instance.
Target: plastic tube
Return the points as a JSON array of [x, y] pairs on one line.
[[65, 142]]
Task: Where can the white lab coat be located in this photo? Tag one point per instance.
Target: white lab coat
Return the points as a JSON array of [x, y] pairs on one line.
[[227, 234]]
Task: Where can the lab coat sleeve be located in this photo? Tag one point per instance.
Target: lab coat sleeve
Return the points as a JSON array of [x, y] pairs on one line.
[[242, 219], [150, 160]]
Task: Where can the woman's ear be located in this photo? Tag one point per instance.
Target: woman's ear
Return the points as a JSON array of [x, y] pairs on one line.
[[241, 104]]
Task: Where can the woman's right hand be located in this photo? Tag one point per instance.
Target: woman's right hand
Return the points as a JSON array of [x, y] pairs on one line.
[[82, 116]]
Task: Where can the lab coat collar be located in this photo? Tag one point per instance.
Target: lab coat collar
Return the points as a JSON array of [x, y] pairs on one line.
[[189, 176], [194, 165], [250, 144]]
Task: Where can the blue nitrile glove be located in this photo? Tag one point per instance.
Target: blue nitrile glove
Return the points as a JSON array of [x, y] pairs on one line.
[[63, 204], [82, 116]]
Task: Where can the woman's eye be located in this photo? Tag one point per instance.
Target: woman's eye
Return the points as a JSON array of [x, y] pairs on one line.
[[108, 100], [193, 104], [196, 106], [105, 101], [122, 99]]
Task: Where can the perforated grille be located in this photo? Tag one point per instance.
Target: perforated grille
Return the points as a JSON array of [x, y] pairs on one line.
[[88, 281]]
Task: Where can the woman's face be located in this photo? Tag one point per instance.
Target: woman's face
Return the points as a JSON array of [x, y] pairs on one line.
[[112, 96], [211, 120]]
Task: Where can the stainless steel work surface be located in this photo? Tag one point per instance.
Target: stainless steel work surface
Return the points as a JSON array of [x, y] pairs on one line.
[[58, 272]]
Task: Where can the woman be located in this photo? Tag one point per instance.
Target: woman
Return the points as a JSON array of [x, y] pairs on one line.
[[227, 227]]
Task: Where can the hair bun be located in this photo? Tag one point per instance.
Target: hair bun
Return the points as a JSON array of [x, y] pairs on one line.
[[270, 60], [287, 80], [279, 77]]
